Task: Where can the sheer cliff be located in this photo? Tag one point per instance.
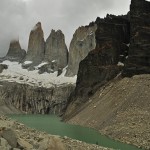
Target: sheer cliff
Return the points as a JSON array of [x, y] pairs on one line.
[[112, 89], [82, 43], [105, 61]]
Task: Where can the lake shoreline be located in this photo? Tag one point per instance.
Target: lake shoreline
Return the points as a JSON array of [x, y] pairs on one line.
[[31, 139], [84, 134]]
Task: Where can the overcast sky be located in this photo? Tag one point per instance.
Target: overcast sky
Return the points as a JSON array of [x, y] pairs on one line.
[[17, 17]]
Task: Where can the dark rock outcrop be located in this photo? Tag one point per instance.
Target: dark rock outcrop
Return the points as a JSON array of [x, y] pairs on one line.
[[138, 61], [101, 64], [15, 52], [37, 100], [36, 45], [2, 67], [82, 43], [56, 49]]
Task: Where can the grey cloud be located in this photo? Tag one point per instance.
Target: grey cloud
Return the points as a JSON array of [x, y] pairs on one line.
[[17, 17]]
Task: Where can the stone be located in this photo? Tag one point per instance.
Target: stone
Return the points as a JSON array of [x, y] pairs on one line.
[[24, 144], [10, 136], [46, 68], [15, 52], [52, 143], [82, 43], [56, 49], [36, 45], [4, 144], [59, 72]]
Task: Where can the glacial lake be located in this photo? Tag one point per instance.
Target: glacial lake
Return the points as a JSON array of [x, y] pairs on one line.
[[53, 125]]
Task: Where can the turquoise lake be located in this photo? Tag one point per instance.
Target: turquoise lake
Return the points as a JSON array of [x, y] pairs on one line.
[[53, 125]]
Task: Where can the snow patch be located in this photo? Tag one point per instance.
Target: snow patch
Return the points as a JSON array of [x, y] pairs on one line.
[[53, 61], [15, 73], [121, 55], [91, 33], [120, 64], [128, 44], [42, 64], [27, 62], [34, 28], [127, 57]]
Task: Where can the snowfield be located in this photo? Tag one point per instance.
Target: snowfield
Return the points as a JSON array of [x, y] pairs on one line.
[[15, 73]]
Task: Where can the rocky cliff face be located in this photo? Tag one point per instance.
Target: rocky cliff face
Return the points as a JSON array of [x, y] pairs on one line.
[[103, 63], [37, 100], [15, 53], [139, 54], [56, 50], [36, 45], [82, 43]]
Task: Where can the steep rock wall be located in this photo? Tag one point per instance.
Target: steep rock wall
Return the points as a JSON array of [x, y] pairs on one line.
[[37, 100], [101, 64], [138, 61], [36, 45], [82, 43], [56, 50]]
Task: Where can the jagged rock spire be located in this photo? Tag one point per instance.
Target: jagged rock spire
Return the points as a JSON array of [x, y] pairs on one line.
[[56, 49], [82, 43], [15, 53], [35, 52]]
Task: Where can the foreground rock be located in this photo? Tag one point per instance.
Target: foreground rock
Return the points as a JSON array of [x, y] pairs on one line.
[[16, 136], [15, 52]]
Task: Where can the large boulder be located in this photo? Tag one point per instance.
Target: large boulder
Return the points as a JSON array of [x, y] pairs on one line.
[[15, 52], [56, 49], [82, 43], [139, 51], [10, 136], [36, 46]]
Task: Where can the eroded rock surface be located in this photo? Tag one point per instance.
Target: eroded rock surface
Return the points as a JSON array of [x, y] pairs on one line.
[[56, 49], [101, 64], [139, 54], [82, 43], [15, 52], [36, 100], [36, 45]]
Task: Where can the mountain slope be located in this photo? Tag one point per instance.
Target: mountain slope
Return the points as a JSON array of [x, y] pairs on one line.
[[120, 110]]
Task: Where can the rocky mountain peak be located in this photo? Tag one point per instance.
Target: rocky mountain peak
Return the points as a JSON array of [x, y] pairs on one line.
[[15, 53], [82, 43], [36, 45], [15, 44], [56, 49], [38, 26]]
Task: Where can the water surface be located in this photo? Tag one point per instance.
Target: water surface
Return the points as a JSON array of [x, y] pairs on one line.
[[53, 125]]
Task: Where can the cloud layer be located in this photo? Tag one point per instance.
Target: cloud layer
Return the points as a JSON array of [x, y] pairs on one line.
[[17, 17]]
